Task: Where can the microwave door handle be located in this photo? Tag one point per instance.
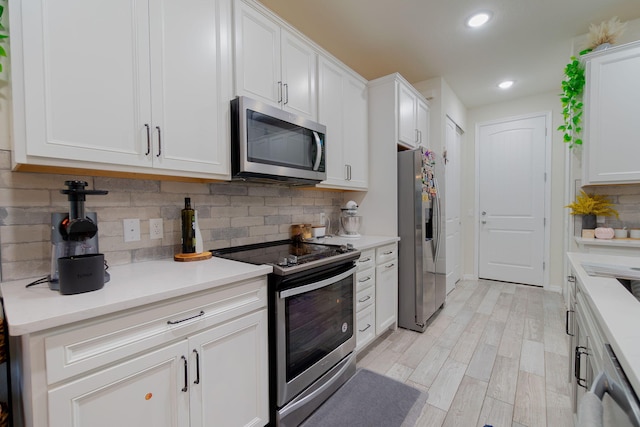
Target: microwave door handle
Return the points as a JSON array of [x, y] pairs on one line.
[[317, 285], [316, 137]]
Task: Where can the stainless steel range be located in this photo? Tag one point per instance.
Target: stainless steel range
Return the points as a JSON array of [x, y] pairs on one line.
[[311, 322]]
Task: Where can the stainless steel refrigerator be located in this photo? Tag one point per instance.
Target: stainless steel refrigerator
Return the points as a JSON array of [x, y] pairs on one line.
[[421, 226]]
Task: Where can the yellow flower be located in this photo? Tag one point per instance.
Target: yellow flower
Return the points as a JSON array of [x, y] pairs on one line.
[[596, 204]]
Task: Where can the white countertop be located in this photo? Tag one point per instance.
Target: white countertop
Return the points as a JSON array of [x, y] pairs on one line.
[[37, 308], [618, 311]]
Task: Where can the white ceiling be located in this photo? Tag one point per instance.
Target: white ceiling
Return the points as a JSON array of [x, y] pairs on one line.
[[528, 41]]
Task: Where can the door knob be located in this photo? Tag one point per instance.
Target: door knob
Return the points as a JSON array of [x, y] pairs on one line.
[[484, 222], [484, 213]]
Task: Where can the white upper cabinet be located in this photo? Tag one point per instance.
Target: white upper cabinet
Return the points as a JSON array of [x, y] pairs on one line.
[[342, 108], [272, 64], [612, 127], [413, 117], [111, 85]]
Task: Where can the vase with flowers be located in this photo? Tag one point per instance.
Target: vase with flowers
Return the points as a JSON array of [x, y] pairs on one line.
[[590, 206]]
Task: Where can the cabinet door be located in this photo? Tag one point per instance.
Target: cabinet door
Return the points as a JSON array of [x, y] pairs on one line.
[[229, 382], [611, 123], [407, 126], [330, 114], [257, 55], [422, 120], [145, 391], [386, 295], [191, 86], [82, 89], [299, 62], [355, 142]]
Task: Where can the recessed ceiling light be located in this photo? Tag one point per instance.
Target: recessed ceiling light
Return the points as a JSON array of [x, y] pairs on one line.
[[505, 84], [479, 19]]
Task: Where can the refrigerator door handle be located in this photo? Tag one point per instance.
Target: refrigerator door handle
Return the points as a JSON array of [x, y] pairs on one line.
[[437, 220]]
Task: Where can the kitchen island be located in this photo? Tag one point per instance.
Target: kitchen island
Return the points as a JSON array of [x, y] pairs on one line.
[[615, 310]]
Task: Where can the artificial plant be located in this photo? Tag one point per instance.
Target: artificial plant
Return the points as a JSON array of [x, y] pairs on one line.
[[571, 98], [592, 204], [3, 34]]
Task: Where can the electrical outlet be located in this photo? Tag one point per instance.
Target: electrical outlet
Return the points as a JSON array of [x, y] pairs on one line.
[[155, 228], [322, 218], [131, 229]]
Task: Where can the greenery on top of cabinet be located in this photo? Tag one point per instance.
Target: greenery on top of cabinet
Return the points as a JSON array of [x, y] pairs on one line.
[[4, 34], [571, 98]]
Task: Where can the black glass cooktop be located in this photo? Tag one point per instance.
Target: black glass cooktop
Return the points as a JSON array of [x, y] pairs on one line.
[[283, 254]]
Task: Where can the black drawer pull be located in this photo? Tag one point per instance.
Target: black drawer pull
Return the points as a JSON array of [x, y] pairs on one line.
[[368, 297], [367, 327], [175, 322]]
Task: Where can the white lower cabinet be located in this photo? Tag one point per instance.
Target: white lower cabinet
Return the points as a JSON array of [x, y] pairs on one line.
[[142, 391], [386, 287], [376, 293], [199, 360], [365, 299]]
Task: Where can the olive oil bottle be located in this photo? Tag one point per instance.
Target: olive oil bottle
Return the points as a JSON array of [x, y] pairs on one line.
[[188, 228]]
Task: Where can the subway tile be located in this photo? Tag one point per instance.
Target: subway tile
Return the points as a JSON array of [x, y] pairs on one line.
[[5, 159], [154, 252], [23, 216], [229, 211], [26, 269], [277, 219], [228, 189], [277, 201], [13, 252], [263, 210], [247, 221], [120, 213], [14, 197], [263, 230], [126, 185], [246, 201], [230, 233], [184, 188], [25, 233], [40, 181]]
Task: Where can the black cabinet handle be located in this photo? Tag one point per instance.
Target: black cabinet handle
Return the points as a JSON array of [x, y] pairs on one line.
[[159, 142], [367, 327], [367, 298], [566, 323], [175, 322], [197, 381], [148, 139], [580, 350], [186, 374]]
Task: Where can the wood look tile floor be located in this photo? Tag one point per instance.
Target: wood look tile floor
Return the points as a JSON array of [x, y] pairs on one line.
[[496, 354]]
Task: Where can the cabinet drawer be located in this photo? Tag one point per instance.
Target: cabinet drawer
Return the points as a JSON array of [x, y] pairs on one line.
[[365, 279], [365, 327], [90, 345], [365, 298], [386, 253], [366, 260]]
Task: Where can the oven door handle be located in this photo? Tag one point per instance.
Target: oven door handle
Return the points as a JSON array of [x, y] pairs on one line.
[[316, 285]]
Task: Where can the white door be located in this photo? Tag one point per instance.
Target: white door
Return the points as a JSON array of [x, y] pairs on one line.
[[229, 374], [452, 200], [511, 177]]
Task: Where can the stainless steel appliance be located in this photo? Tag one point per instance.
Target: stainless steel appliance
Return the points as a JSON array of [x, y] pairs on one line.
[[611, 400], [270, 144], [421, 250], [311, 322], [350, 221]]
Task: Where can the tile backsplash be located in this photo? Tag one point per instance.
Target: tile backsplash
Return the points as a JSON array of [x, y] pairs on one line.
[[626, 200], [229, 214]]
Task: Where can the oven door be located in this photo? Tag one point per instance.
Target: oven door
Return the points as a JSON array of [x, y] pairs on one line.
[[314, 328]]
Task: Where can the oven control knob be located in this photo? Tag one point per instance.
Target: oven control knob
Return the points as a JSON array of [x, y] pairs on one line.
[[350, 247], [292, 260]]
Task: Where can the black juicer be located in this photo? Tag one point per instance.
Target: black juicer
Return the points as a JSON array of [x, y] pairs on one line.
[[76, 264]]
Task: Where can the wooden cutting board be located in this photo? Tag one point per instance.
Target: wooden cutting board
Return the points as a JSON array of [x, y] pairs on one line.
[[192, 257]]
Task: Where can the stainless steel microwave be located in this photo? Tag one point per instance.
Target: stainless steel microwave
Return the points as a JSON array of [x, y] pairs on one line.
[[270, 144]]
